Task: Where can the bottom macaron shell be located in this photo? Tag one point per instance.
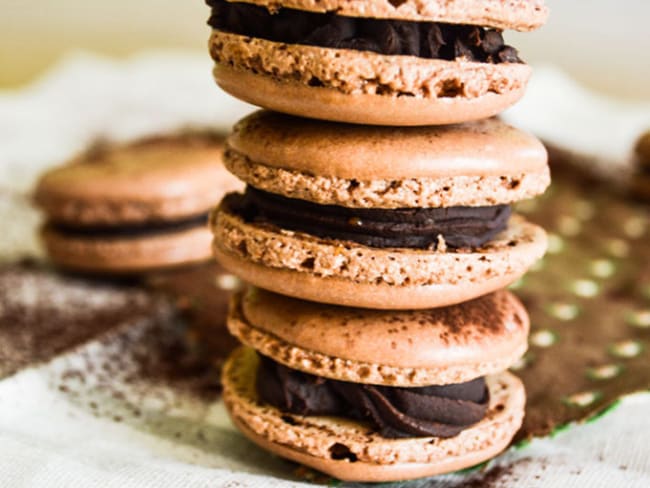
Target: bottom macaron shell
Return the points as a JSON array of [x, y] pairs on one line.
[[342, 273], [296, 98], [127, 255], [347, 450]]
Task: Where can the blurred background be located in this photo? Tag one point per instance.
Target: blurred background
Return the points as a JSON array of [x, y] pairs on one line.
[[602, 43]]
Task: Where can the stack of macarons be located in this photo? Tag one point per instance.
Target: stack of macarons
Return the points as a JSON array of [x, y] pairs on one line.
[[136, 207], [376, 240]]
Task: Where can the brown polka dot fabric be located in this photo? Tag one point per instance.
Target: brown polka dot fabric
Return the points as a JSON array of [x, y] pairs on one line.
[[589, 302]]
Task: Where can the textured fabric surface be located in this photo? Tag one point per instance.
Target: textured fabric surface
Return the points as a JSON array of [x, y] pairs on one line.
[[63, 424], [48, 440]]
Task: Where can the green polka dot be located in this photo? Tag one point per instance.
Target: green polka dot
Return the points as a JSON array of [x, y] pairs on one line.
[[228, 282], [626, 349], [604, 372], [602, 268], [584, 209], [555, 244], [582, 399], [640, 318], [618, 248], [543, 338], [569, 226], [563, 311], [635, 227], [585, 288]]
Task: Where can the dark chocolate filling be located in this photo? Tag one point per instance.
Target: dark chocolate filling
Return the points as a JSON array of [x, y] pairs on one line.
[[436, 411], [432, 40], [418, 228], [134, 230]]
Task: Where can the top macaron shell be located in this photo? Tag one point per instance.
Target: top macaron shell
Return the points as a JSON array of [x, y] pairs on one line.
[[159, 179], [521, 15], [472, 164], [393, 348]]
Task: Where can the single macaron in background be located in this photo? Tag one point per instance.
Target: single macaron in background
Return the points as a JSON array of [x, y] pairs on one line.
[[129, 208], [367, 395], [379, 217], [382, 62]]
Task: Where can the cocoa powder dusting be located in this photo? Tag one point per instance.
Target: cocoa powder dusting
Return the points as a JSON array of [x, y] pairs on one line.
[[153, 376], [132, 363], [493, 478], [124, 342], [161, 375], [43, 314]]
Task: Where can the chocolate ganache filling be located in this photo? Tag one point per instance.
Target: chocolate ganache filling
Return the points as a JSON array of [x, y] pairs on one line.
[[417, 228], [146, 229], [432, 40], [431, 411]]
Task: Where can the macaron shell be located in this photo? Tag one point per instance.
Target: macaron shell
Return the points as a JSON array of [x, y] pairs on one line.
[[522, 15], [363, 87], [345, 273], [127, 255], [161, 179], [407, 349], [447, 191], [483, 148], [308, 440]]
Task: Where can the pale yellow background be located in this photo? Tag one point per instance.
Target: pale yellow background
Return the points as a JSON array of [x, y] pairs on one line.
[[604, 43], [35, 33]]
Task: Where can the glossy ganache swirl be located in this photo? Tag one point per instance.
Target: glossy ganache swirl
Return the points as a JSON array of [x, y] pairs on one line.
[[432, 40], [416, 228], [432, 411]]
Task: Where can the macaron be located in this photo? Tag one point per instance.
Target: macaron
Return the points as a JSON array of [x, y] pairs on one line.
[[378, 217], [128, 208], [366, 395], [382, 62]]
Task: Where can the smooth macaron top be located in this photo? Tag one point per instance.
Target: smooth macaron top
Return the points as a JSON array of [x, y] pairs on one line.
[[478, 331], [157, 179], [521, 15], [485, 148]]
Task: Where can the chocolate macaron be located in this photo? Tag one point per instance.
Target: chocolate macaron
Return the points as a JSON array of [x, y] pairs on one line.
[[382, 62], [378, 217], [372, 395], [135, 207]]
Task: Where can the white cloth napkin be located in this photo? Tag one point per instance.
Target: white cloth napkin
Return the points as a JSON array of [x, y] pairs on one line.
[[49, 439], [46, 440]]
